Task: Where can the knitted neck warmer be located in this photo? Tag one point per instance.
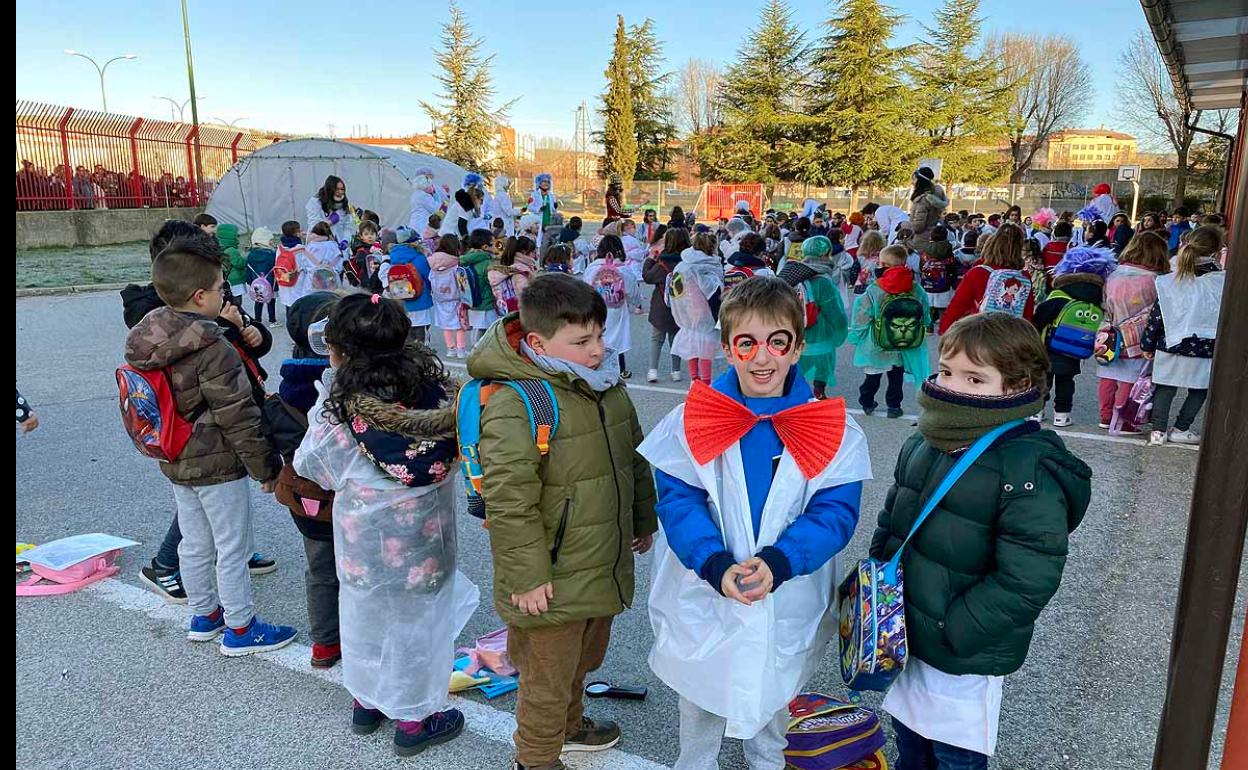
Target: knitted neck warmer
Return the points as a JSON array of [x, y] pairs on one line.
[[951, 421]]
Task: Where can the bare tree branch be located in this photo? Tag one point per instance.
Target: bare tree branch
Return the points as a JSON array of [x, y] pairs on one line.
[[695, 96]]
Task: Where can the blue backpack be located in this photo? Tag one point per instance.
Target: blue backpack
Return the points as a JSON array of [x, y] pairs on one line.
[[539, 403]]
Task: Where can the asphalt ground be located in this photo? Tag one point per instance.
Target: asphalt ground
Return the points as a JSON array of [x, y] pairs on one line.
[[105, 679]]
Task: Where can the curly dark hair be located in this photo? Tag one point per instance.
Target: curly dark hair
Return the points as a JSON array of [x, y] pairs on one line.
[[370, 333], [172, 230]]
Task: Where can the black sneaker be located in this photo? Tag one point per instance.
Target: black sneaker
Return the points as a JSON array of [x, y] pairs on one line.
[[259, 565], [365, 721], [626, 375], [166, 583], [868, 410], [893, 414], [410, 739], [593, 736]]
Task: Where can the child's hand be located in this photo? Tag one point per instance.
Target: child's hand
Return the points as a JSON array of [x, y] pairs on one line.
[[268, 487], [32, 422], [728, 586], [760, 581], [231, 313], [534, 602], [251, 336], [642, 544]]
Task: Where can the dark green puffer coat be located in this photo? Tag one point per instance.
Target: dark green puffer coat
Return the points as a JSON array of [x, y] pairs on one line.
[[990, 557], [568, 518]]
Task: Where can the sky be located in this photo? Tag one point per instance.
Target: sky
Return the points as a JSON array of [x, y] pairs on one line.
[[301, 66]]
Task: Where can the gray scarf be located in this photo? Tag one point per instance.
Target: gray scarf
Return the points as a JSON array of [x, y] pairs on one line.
[[602, 379]]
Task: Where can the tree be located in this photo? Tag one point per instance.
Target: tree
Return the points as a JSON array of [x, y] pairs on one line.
[[960, 99], [651, 111], [465, 127], [857, 131], [1209, 157], [695, 97], [619, 138], [1049, 86]]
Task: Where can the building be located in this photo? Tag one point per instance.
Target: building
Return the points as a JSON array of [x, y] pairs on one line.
[[1076, 148], [504, 147]]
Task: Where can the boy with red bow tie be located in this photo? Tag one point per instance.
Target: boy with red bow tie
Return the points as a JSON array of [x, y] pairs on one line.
[[759, 489]]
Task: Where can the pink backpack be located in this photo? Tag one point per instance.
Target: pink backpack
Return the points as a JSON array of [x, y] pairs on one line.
[[490, 652], [71, 578]]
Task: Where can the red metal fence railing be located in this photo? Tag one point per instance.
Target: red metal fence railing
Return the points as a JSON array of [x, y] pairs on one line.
[[69, 158]]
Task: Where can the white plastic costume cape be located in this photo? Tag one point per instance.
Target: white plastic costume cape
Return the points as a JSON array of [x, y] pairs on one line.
[[425, 202], [501, 205], [1105, 204], [401, 599], [693, 283], [477, 220], [618, 332], [890, 218], [743, 663]]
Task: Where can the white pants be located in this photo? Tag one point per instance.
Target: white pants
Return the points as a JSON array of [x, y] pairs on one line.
[[702, 732], [216, 542]]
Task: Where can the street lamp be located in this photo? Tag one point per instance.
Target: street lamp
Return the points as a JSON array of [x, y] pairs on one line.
[[229, 123], [99, 69], [174, 104]]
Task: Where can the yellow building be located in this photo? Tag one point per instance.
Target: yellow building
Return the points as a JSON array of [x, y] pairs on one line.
[[1088, 148]]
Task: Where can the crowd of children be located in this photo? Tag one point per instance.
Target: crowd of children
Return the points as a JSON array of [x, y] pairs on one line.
[[757, 477]]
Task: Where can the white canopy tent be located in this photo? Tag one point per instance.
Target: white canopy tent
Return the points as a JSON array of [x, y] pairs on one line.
[[273, 184]]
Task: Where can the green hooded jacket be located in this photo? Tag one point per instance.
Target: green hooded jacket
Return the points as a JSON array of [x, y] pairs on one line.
[[480, 261], [227, 236]]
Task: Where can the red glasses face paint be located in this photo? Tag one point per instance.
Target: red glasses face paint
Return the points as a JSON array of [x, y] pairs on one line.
[[779, 343]]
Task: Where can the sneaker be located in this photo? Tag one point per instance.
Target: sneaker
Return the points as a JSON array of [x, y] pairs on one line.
[[259, 565], [626, 375], [1061, 419], [365, 721], [652, 375], [414, 737], [1125, 431], [593, 736], [166, 583], [675, 376], [1036, 418], [893, 414], [1103, 425], [1156, 438], [204, 628], [1184, 437], [868, 410], [275, 324], [257, 637], [325, 655]]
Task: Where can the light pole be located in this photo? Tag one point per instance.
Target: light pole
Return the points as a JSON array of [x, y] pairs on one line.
[[190, 77], [229, 123], [99, 69], [178, 106]]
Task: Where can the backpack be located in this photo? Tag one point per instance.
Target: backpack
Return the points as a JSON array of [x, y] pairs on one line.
[[796, 274], [933, 274], [442, 283], [1007, 292], [149, 413], [898, 325], [871, 599], [71, 578], [609, 283], [795, 251], [505, 299], [1073, 332], [735, 275], [373, 282], [325, 279], [285, 268], [826, 734], [404, 282], [1108, 345], [260, 290], [543, 410], [1053, 252], [466, 283], [1139, 406]]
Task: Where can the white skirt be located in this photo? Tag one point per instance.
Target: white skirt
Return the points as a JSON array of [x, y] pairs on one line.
[[618, 335], [1122, 369], [939, 300], [446, 315], [1181, 371], [420, 317]]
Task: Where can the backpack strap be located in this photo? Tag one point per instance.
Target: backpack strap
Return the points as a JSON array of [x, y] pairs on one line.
[[34, 585], [964, 462], [543, 410]]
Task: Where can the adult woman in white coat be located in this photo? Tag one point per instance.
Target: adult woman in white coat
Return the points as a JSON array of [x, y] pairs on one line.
[[330, 204]]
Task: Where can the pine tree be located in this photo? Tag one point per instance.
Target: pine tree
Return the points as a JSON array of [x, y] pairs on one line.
[[857, 130], [960, 98], [619, 138], [653, 125], [465, 126]]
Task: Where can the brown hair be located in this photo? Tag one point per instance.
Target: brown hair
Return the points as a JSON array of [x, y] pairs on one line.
[[676, 240], [1204, 241], [897, 253], [448, 244], [705, 243], [323, 229], [369, 226], [555, 300], [1003, 341], [870, 245], [1003, 249], [1149, 251], [185, 266], [765, 296]]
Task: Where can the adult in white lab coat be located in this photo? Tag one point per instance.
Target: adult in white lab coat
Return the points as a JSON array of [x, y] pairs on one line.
[[330, 204]]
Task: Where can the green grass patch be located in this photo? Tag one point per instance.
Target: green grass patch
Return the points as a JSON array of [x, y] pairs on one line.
[[83, 266]]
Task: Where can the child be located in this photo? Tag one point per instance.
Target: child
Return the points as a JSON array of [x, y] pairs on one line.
[[981, 569], [310, 506], [816, 279], [1033, 266], [558, 594], [429, 236], [324, 261], [799, 233], [289, 262], [869, 248], [226, 445], [1056, 249], [1080, 279], [663, 327], [558, 259], [477, 259], [236, 261], [207, 223], [1181, 332], [383, 440], [571, 236], [743, 516], [1130, 294], [937, 268], [508, 277], [888, 333], [693, 294], [449, 312], [996, 282], [612, 280], [358, 268], [260, 263], [420, 307], [747, 261]]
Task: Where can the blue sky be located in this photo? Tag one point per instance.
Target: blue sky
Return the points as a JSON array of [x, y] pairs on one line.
[[300, 66]]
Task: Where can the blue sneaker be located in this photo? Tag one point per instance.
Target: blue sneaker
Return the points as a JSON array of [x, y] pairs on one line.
[[259, 637], [204, 628], [414, 737]]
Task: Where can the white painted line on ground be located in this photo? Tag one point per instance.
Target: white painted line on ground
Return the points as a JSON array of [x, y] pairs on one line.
[[480, 718]]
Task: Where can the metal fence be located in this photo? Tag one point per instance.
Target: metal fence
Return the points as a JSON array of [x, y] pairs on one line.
[[69, 158]]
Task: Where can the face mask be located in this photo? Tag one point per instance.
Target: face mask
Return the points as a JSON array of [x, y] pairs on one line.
[[316, 338]]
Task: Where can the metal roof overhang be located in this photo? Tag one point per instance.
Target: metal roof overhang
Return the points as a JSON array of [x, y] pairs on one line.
[[1204, 44]]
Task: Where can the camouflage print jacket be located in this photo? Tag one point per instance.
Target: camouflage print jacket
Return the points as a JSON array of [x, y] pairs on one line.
[[211, 388]]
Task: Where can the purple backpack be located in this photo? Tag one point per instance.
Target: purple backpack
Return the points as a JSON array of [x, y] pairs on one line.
[[827, 734]]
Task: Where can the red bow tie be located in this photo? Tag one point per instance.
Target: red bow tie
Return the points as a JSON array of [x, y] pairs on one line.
[[812, 432]]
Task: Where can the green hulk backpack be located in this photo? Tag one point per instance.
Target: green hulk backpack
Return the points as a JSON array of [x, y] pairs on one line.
[[899, 323]]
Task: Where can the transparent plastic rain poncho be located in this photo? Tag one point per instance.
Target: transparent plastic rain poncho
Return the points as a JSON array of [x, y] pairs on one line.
[[690, 288], [402, 602]]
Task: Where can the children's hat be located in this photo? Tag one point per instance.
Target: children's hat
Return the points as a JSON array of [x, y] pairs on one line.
[[1102, 189], [404, 234], [261, 236], [816, 247]]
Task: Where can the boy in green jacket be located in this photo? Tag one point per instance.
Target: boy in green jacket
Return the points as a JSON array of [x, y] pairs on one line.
[[563, 526], [990, 557]]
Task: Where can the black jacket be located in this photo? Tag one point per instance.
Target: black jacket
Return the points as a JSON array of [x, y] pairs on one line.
[[655, 272]]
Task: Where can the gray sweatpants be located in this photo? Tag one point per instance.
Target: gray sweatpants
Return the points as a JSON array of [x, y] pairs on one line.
[[216, 528], [702, 732]]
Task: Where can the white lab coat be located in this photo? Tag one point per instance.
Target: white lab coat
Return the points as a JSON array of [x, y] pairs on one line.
[[743, 663], [501, 205], [344, 230], [424, 205], [890, 218]]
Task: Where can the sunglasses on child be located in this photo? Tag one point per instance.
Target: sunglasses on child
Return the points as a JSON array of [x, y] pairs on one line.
[[779, 343]]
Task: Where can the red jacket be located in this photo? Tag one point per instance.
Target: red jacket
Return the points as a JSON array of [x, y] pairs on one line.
[[970, 294]]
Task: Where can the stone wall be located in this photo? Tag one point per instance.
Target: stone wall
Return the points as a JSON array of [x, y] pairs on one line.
[[38, 229]]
